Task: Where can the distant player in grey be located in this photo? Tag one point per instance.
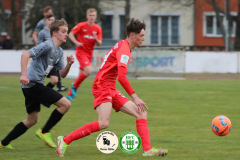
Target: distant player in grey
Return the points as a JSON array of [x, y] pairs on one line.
[[44, 35], [44, 56], [41, 24]]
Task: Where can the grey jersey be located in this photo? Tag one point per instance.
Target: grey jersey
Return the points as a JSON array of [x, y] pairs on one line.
[[43, 35], [40, 25], [44, 56]]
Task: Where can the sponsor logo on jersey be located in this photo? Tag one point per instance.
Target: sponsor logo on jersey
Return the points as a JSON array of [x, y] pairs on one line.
[[88, 37], [124, 59]]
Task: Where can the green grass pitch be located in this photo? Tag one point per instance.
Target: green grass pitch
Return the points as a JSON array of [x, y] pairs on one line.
[[179, 119]]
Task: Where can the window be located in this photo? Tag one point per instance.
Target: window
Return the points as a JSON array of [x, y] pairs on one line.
[[154, 30], [107, 27], [212, 27], [165, 30]]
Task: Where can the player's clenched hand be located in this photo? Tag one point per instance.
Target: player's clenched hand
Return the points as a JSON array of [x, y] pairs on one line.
[[24, 80], [79, 44], [70, 59], [95, 36]]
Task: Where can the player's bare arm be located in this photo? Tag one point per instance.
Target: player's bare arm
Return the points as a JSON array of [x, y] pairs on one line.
[[98, 42], [74, 40], [70, 60], [24, 62]]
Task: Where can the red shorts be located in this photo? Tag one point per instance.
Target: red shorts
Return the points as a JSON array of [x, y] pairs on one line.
[[84, 59], [102, 95]]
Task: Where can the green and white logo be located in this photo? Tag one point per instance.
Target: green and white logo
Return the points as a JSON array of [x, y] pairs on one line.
[[130, 142]]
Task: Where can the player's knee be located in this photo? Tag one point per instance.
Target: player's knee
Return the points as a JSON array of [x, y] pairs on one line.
[[67, 105], [142, 115], [88, 71], [64, 106], [54, 82], [30, 122], [103, 124]]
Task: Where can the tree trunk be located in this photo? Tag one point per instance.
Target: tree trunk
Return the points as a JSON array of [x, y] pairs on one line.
[[127, 16], [220, 23], [237, 40]]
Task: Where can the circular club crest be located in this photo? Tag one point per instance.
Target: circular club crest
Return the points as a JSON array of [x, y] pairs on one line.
[[107, 142], [130, 142]]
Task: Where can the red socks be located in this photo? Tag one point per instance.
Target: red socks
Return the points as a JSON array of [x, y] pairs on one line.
[[84, 131], [79, 80], [143, 132], [89, 128]]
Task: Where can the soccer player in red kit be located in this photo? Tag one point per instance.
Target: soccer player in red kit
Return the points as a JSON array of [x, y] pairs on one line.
[[88, 34], [106, 96]]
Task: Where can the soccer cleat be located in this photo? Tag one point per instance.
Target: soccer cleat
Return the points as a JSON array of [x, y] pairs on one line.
[[70, 98], [62, 146], [156, 152], [62, 88], [74, 90], [46, 137], [9, 146]]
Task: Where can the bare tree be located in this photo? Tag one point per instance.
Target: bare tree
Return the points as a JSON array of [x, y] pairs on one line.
[[127, 15], [231, 19]]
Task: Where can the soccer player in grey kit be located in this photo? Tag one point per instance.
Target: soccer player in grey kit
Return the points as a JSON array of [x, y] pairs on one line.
[[45, 56], [44, 34], [41, 24]]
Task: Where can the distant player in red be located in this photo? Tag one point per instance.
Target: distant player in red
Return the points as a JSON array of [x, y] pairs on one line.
[[115, 66], [88, 34]]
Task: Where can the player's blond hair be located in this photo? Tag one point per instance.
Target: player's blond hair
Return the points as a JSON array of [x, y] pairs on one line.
[[56, 25], [90, 10]]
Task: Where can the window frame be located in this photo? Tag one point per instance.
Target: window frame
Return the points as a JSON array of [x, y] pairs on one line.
[[215, 34], [159, 22]]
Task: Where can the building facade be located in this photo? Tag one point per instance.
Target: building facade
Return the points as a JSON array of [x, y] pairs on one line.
[[168, 23], [207, 29]]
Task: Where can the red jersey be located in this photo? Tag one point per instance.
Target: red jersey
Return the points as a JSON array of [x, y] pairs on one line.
[[85, 34], [115, 64]]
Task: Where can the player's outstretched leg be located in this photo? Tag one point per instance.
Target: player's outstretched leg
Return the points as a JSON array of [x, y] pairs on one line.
[[85, 130], [62, 146]]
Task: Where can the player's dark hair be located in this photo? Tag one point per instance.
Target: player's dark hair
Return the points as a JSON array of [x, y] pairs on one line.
[[49, 16], [56, 25], [134, 26]]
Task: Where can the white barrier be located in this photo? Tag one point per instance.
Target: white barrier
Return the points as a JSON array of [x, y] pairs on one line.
[[211, 62], [147, 60], [10, 61]]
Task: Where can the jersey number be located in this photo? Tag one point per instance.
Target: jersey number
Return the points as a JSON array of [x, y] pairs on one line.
[[105, 58]]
